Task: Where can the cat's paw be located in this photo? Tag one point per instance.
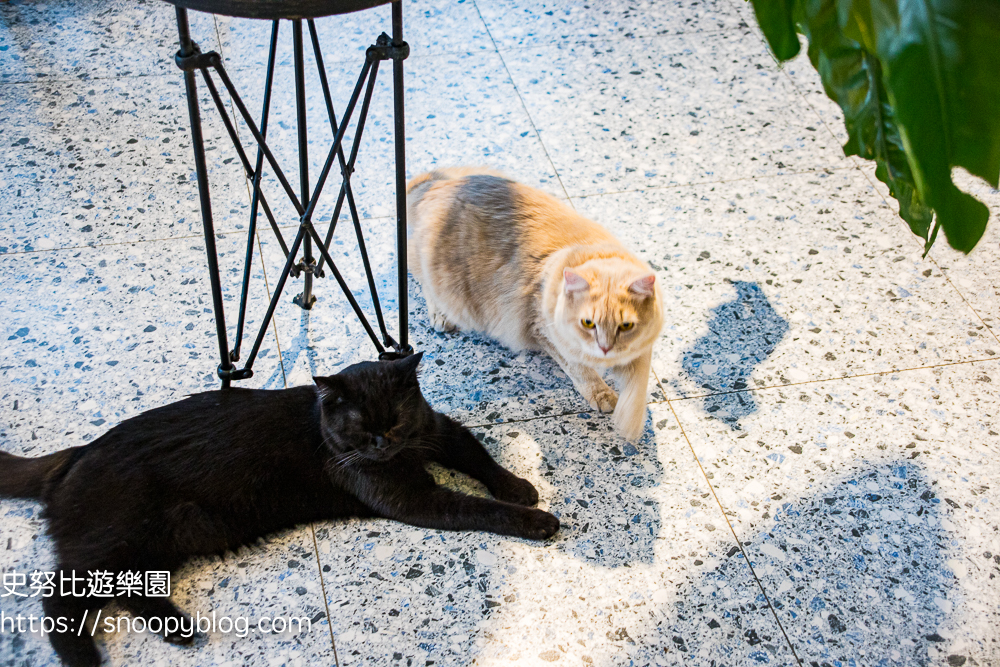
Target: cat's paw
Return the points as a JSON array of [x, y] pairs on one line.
[[74, 651], [539, 525], [440, 323], [178, 639], [604, 399], [515, 490]]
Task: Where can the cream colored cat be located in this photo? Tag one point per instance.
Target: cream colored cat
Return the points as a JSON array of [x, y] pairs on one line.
[[512, 262]]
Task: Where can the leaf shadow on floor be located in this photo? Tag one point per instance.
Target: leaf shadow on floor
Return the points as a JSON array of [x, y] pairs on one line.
[[858, 565]]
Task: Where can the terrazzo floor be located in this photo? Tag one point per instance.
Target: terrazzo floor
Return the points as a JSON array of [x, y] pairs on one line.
[[814, 484]]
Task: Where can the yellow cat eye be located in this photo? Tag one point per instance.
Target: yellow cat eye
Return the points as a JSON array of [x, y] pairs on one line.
[[587, 324], [626, 326]]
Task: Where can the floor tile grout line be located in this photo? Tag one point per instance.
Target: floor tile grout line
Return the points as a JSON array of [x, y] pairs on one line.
[[218, 35], [663, 388], [523, 105], [831, 379], [522, 420], [322, 587], [85, 80], [284, 379], [739, 543], [692, 184], [383, 217], [95, 246], [960, 294], [224, 232], [665, 399], [274, 323], [568, 413]]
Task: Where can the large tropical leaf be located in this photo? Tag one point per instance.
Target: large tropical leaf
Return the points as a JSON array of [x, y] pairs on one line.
[[919, 83]]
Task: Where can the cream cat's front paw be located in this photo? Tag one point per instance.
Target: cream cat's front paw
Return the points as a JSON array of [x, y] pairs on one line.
[[603, 399], [440, 323]]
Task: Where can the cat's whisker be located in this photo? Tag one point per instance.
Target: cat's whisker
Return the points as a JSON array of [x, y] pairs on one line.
[[423, 445], [344, 460]]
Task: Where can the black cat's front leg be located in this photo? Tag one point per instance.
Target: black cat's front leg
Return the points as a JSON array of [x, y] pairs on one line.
[[72, 620], [447, 510], [177, 627], [458, 448], [419, 502]]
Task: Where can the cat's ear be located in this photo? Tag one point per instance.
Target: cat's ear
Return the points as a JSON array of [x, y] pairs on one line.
[[643, 286], [574, 282], [330, 388], [408, 365]]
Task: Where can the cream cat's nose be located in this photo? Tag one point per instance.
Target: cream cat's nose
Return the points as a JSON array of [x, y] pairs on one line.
[[605, 350]]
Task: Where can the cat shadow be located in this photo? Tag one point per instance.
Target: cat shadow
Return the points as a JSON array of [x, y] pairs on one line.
[[741, 335], [20, 22], [595, 482], [859, 567], [618, 525]]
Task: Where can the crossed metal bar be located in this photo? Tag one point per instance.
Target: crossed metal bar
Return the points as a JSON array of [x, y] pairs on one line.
[[191, 59]]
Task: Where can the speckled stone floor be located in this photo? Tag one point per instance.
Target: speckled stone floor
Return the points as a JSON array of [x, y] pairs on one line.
[[815, 483]]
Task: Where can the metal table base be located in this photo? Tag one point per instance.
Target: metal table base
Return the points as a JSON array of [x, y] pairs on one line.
[[191, 60]]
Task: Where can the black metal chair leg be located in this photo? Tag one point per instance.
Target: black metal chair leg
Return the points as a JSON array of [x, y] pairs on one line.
[[400, 142], [201, 169], [255, 200], [308, 265]]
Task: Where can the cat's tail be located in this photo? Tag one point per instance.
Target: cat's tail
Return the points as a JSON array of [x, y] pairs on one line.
[[22, 477]]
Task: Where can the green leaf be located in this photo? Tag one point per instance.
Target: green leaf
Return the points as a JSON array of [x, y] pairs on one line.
[[919, 84], [853, 78], [775, 19]]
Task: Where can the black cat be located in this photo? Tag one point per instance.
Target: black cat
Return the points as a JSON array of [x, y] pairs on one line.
[[219, 469]]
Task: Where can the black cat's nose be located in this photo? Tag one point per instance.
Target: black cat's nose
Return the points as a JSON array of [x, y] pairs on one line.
[[380, 442]]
